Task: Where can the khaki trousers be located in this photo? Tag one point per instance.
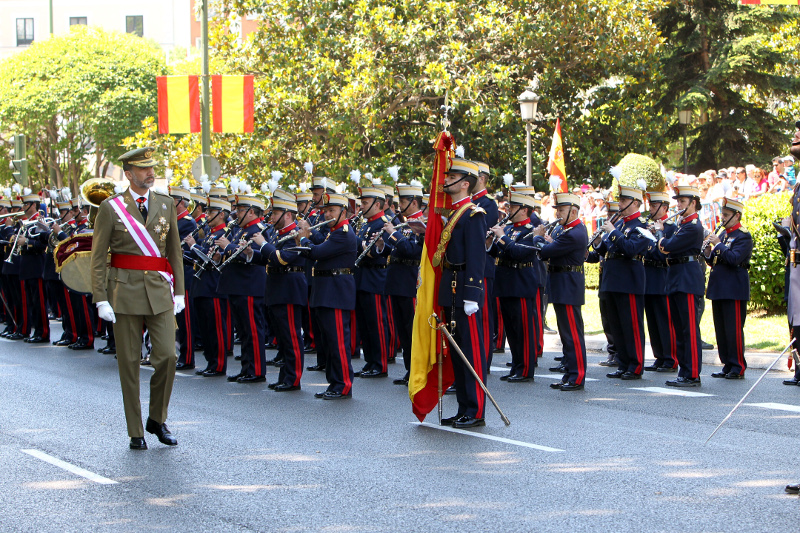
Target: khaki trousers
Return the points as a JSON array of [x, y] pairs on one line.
[[128, 334]]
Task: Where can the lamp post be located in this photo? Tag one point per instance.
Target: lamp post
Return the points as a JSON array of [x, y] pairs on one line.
[[685, 117], [528, 102]]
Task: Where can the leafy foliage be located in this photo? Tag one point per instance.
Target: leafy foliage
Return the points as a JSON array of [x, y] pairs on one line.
[[634, 167]]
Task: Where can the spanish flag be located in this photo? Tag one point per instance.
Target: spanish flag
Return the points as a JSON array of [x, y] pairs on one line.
[[178, 104], [423, 380], [232, 98], [555, 165]]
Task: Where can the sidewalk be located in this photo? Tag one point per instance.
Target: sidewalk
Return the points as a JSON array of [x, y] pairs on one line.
[[595, 344]]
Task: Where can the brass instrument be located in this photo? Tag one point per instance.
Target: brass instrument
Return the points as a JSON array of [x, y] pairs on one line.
[[17, 214], [39, 225], [23, 228], [93, 192]]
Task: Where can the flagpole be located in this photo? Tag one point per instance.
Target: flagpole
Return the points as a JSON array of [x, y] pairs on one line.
[[205, 131]]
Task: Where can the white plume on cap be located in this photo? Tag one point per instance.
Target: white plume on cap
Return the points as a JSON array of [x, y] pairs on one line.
[[670, 177], [66, 193], [394, 172], [7, 192], [368, 175], [309, 167], [376, 181], [616, 172], [273, 184], [53, 193], [416, 183], [168, 173], [26, 191], [641, 184], [204, 178], [663, 170], [460, 151], [206, 186], [355, 176], [17, 188], [119, 188], [340, 188], [292, 187], [234, 184], [185, 183], [264, 186], [324, 183], [508, 179], [277, 175], [303, 187], [555, 183], [160, 190]]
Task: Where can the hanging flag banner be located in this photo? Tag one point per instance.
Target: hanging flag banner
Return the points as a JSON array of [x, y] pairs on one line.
[[178, 104], [232, 99], [555, 164]]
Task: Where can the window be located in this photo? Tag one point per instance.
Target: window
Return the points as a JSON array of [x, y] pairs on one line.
[[77, 21], [135, 25], [24, 32]]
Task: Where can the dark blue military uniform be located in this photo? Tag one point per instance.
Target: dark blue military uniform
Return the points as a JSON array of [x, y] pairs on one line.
[[286, 296], [518, 287], [401, 282], [211, 308], [244, 283], [372, 316], [568, 288], [186, 226], [656, 306], [333, 296], [729, 292], [463, 264], [61, 293], [485, 202], [31, 270], [685, 283], [15, 297], [623, 281]]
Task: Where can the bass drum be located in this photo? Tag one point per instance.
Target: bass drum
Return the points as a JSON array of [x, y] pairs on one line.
[[73, 258]]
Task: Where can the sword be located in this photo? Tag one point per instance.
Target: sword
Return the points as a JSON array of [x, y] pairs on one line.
[[441, 326], [751, 390]]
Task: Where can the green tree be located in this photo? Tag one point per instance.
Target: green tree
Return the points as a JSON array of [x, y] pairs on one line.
[[720, 60], [77, 96]]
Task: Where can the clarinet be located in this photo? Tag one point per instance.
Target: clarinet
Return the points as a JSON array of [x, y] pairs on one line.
[[372, 242]]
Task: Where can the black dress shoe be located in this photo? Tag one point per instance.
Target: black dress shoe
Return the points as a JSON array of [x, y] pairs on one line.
[[609, 362], [273, 385], [251, 379], [449, 421], [401, 381], [615, 374], [450, 390], [309, 348], [316, 368], [792, 381], [138, 443], [373, 374], [519, 379], [509, 364], [667, 369], [38, 340], [468, 422], [391, 360], [145, 362], [161, 431], [793, 489], [734, 375], [210, 372], [236, 377], [62, 342], [334, 395], [505, 377], [706, 345], [499, 350], [108, 350], [200, 372], [556, 385], [237, 357], [561, 369], [570, 385], [630, 375], [684, 382], [285, 387], [271, 346], [719, 374], [320, 394], [653, 368], [104, 338], [184, 366], [16, 336], [559, 358]]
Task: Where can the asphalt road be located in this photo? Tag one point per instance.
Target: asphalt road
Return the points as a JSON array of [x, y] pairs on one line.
[[611, 458]]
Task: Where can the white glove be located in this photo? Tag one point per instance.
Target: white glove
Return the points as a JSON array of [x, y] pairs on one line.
[[470, 307], [105, 312], [180, 304]]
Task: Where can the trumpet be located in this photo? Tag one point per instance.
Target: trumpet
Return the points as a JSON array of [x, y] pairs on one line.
[[17, 214], [20, 232], [292, 234], [38, 226]]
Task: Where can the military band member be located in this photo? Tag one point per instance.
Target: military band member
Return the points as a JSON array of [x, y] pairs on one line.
[[685, 283], [186, 226], [31, 270], [211, 306], [200, 202], [6, 231], [623, 281], [140, 230], [303, 207], [729, 287], [517, 285], [462, 253], [566, 250], [481, 198], [333, 294], [61, 230], [602, 298], [11, 273], [656, 301], [401, 275], [245, 282], [286, 290]]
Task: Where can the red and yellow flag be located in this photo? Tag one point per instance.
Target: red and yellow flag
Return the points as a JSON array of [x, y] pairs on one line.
[[555, 165], [178, 104], [232, 98], [423, 379]]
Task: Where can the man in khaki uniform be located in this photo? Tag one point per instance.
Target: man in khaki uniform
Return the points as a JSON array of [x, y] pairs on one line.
[[140, 230]]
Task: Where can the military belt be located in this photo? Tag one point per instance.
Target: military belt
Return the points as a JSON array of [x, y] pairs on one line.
[[513, 264], [447, 265], [372, 266], [284, 270], [332, 272], [654, 263], [681, 260], [623, 256], [555, 269], [406, 262]]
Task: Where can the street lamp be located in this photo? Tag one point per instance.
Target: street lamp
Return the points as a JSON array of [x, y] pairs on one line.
[[528, 102], [685, 117]]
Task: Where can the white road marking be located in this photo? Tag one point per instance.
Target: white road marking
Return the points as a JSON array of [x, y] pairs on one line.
[[151, 369], [547, 376], [488, 437], [777, 406], [91, 476], [673, 392]]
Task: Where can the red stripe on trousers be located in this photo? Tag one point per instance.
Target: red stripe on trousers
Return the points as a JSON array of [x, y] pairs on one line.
[[576, 342], [90, 332], [526, 341], [540, 320], [24, 308], [636, 338], [254, 335], [343, 357], [673, 348], [692, 335], [382, 334], [220, 335], [478, 364], [739, 335], [298, 365], [392, 333], [43, 310], [71, 317], [500, 325]]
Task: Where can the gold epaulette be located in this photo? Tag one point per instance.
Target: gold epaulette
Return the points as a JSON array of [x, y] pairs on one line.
[[476, 210]]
